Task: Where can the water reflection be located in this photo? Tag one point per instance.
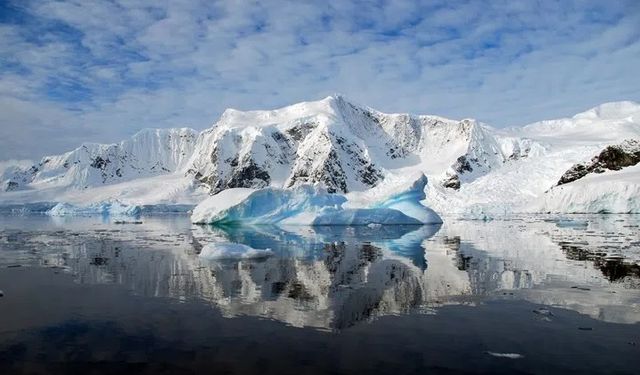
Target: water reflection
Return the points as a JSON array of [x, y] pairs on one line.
[[335, 277]]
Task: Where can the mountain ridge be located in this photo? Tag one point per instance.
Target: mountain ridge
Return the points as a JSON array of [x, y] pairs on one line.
[[333, 142]]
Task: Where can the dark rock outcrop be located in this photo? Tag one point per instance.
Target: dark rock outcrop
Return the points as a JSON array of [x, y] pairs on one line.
[[614, 157], [452, 182]]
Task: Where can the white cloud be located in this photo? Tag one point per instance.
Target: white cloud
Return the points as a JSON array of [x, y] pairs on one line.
[[98, 71]]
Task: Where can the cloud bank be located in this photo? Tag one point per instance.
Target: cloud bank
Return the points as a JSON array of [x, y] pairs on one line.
[[75, 71]]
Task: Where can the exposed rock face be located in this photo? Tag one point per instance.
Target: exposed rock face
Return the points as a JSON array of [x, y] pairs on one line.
[[15, 178], [463, 165], [331, 142], [614, 157], [11, 185], [452, 182], [482, 154], [334, 143], [325, 142]]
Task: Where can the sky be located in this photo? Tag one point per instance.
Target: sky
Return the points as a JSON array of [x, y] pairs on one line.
[[98, 71]]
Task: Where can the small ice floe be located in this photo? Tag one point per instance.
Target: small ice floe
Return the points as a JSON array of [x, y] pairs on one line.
[[568, 223], [228, 250], [506, 355], [544, 312]]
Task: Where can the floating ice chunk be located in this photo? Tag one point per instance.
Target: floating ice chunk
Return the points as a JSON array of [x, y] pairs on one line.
[[266, 206], [105, 208], [408, 202], [308, 205], [117, 208], [229, 250], [506, 355]]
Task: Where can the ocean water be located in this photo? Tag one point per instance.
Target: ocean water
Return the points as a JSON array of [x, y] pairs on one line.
[[541, 294]]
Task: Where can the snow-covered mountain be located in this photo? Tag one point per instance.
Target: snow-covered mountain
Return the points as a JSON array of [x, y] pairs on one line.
[[149, 152], [347, 148], [334, 142]]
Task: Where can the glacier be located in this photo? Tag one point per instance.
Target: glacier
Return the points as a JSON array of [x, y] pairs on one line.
[[113, 208], [607, 192]]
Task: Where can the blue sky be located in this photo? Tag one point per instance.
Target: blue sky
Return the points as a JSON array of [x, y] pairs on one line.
[[75, 71]]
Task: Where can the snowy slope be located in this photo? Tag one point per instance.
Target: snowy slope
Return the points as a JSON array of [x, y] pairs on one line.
[[521, 183], [471, 167], [609, 192], [339, 144], [150, 152]]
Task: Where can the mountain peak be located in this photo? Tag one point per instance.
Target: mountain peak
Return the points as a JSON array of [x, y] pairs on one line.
[[610, 110], [337, 97], [329, 106]]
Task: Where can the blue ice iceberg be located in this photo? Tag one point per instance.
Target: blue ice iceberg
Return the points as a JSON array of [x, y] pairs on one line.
[[266, 206], [408, 202], [311, 205]]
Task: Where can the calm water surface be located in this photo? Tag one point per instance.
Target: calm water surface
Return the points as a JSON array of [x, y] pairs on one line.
[[526, 295]]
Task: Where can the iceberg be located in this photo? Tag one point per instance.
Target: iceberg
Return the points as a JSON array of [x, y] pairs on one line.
[[230, 250], [312, 205], [105, 208], [408, 202], [266, 206]]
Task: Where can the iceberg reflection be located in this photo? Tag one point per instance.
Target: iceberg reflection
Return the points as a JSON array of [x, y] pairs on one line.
[[334, 277]]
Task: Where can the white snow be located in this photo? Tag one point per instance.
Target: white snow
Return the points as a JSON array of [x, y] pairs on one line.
[[265, 206], [520, 185], [608, 192], [171, 190], [335, 143], [229, 250], [107, 208]]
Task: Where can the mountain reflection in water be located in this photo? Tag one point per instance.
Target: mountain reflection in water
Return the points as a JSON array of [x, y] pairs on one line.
[[335, 277]]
